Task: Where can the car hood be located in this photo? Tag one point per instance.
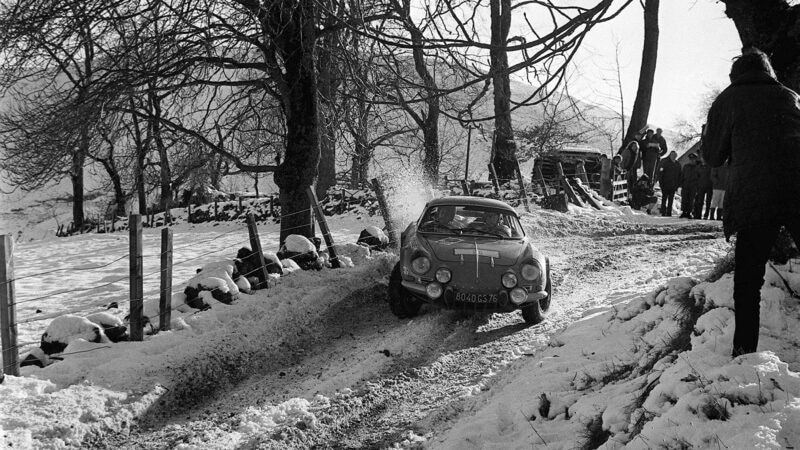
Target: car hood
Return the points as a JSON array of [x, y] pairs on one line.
[[501, 252]]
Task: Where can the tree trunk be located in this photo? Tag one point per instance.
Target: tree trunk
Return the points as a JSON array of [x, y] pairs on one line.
[[327, 162], [165, 171], [360, 165], [120, 199], [76, 176], [141, 154], [771, 26], [503, 146], [429, 122], [647, 73], [299, 168], [430, 133]]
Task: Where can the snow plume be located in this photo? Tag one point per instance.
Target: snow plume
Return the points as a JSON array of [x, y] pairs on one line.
[[407, 191]]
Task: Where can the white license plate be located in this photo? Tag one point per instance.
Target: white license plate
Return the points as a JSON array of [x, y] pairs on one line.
[[476, 298]]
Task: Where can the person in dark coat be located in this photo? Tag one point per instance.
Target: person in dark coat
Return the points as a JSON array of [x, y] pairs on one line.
[[704, 190], [690, 179], [719, 182], [661, 141], [669, 178], [754, 126], [616, 168], [651, 152]]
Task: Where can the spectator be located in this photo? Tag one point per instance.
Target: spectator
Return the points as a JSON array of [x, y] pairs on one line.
[[631, 163], [690, 179], [704, 190], [651, 152], [643, 195], [661, 141], [754, 126], [606, 186], [669, 178], [719, 181], [616, 168]]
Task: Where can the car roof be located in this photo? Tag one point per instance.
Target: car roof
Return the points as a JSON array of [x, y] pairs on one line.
[[462, 200], [576, 149]]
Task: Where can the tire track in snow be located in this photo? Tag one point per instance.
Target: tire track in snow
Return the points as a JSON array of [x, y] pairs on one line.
[[416, 375]]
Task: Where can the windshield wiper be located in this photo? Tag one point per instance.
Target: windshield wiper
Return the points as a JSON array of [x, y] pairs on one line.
[[492, 233]]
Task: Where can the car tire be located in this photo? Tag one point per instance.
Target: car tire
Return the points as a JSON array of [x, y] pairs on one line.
[[536, 312], [401, 302]]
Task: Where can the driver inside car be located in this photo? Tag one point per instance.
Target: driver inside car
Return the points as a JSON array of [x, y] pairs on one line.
[[442, 217]]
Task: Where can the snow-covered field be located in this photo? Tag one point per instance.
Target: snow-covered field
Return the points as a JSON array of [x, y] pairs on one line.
[[614, 376]]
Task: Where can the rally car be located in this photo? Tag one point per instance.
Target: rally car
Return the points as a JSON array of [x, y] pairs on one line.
[[470, 253]]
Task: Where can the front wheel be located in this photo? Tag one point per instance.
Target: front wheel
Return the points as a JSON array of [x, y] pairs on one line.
[[401, 302], [536, 312]]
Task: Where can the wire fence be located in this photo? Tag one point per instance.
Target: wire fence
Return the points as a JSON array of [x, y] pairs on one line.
[[123, 281], [87, 308]]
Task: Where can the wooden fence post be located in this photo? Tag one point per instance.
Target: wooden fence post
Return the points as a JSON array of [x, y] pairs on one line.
[[465, 187], [165, 299], [136, 278], [8, 314], [272, 206], [384, 206], [580, 170], [567, 187], [343, 204], [189, 213], [255, 245], [240, 205], [495, 181], [216, 211], [522, 192], [540, 177], [323, 227]]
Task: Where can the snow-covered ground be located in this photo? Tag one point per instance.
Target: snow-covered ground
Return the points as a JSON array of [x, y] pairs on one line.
[[639, 377], [628, 372]]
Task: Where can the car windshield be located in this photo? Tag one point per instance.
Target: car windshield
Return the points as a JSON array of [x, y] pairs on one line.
[[470, 220]]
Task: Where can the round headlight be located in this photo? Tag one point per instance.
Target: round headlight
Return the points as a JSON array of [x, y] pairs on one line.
[[509, 280], [434, 290], [421, 265], [443, 275], [531, 272], [518, 295]]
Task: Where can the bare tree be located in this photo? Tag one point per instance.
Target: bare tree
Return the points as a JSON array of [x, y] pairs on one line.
[[647, 72], [50, 50], [771, 26]]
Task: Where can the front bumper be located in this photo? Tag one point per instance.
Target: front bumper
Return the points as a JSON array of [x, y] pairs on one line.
[[448, 298]]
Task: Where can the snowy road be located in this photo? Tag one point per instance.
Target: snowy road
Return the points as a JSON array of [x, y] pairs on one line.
[[383, 381]]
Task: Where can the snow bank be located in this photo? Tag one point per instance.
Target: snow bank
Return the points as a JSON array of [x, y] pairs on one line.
[[101, 387], [648, 375]]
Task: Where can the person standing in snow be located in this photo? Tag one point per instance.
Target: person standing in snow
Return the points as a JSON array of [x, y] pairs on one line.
[[754, 126], [719, 182], [669, 178], [662, 143], [690, 179], [704, 190], [651, 152]]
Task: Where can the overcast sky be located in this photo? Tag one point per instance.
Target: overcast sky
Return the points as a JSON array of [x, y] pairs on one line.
[[695, 48]]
